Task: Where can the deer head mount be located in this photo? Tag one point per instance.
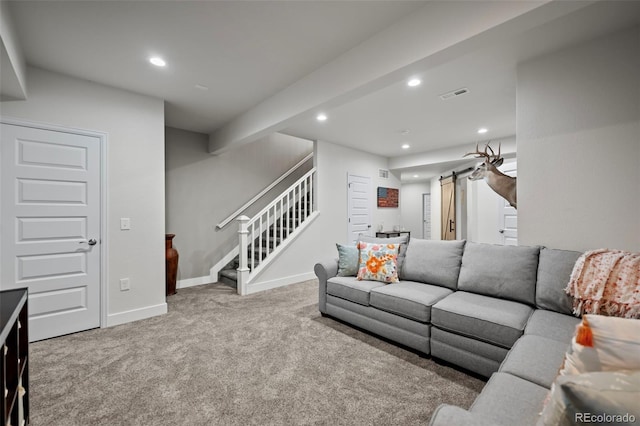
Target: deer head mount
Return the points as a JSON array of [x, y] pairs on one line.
[[503, 185]]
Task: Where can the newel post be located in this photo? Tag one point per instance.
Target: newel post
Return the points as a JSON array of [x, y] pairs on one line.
[[243, 267]]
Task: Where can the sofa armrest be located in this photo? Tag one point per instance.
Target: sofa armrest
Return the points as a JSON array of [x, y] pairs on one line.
[[450, 415], [324, 270]]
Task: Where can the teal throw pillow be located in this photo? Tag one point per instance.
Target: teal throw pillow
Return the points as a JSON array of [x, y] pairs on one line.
[[348, 257]]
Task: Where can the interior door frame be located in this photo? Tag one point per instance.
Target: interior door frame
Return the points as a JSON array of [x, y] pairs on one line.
[[104, 240]]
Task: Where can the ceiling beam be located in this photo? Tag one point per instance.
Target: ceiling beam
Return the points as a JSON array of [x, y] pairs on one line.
[[435, 34], [452, 154]]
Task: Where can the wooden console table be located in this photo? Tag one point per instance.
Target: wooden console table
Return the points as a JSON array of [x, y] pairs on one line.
[[390, 234], [14, 368]]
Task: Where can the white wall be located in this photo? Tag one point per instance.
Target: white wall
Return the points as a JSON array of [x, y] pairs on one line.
[[578, 121], [318, 242], [135, 158], [436, 209], [411, 207], [204, 189]]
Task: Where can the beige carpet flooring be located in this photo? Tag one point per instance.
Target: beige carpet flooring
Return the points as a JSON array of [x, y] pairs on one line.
[[220, 359]]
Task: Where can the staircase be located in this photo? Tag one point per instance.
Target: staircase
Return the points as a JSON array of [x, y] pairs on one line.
[[268, 241], [262, 238]]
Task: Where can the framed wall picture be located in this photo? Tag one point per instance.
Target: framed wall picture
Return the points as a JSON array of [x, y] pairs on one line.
[[388, 197]]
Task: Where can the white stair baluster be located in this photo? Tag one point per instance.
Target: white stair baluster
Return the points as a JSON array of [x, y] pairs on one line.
[[304, 194], [311, 201], [281, 220], [260, 236]]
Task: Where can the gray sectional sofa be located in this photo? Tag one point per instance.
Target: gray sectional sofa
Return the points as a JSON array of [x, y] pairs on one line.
[[498, 311]]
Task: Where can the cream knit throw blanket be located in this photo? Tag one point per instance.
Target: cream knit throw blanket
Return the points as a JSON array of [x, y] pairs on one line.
[[606, 282]]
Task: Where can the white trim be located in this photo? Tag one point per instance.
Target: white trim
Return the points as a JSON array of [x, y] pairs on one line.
[[215, 269], [281, 248], [280, 282], [136, 314], [103, 137], [192, 282]]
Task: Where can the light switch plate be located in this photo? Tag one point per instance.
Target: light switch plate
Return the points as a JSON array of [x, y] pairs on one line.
[[125, 284], [125, 224]]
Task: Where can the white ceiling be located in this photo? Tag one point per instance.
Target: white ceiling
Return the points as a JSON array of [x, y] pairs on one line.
[[376, 122], [244, 51], [248, 51]]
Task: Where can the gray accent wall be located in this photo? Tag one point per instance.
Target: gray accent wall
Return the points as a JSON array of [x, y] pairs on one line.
[[578, 121], [203, 189]]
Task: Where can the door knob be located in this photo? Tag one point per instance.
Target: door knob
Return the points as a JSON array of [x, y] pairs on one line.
[[501, 231], [91, 242]]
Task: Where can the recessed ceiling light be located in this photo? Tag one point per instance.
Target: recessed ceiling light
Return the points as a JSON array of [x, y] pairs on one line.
[[157, 61], [482, 130], [416, 176], [321, 117], [414, 82], [405, 146]]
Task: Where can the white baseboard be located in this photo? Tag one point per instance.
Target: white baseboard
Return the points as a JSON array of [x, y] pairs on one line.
[[136, 314], [190, 282], [280, 282]]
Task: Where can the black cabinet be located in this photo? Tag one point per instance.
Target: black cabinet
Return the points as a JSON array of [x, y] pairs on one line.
[[14, 368]]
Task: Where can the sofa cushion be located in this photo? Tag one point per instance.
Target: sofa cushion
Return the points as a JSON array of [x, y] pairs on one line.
[[408, 299], [350, 288], [433, 262], [536, 359], [510, 400], [552, 325], [554, 271], [507, 272], [480, 357], [496, 321]]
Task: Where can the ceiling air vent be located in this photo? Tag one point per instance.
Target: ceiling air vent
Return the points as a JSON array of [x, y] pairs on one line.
[[454, 93], [384, 174]]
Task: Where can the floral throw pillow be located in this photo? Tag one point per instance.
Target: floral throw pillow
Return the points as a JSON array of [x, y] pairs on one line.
[[378, 262]]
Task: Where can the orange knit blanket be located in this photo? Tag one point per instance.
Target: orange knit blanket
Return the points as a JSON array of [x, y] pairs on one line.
[[606, 282]]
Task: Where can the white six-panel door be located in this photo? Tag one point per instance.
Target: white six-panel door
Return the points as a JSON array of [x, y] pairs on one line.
[[359, 205], [51, 206]]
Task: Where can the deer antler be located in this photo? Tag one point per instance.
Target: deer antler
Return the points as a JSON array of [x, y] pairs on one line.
[[480, 154], [484, 154]]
